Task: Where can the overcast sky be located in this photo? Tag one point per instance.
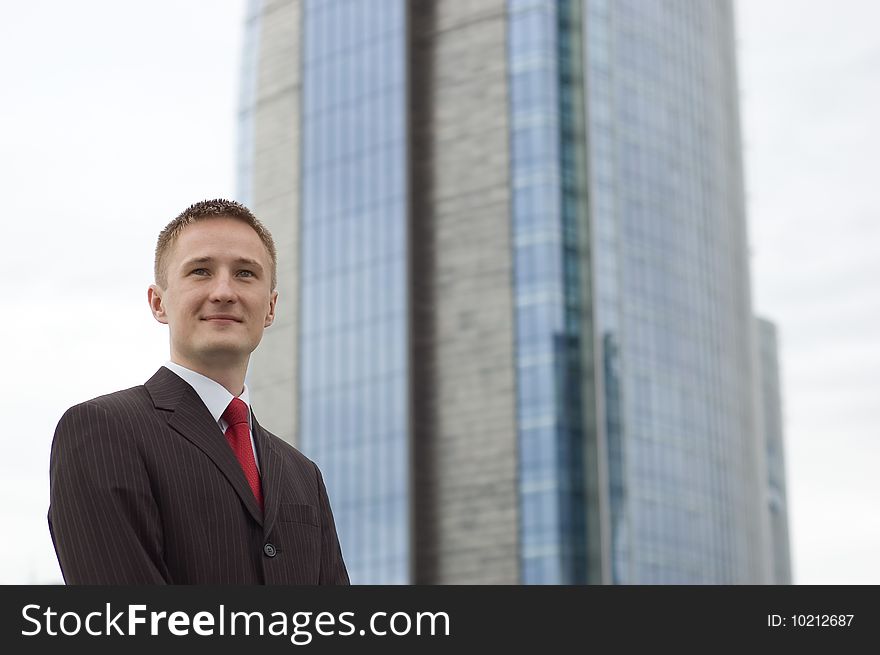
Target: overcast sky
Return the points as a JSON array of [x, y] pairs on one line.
[[810, 87], [116, 116]]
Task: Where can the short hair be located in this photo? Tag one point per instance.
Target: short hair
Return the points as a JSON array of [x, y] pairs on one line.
[[201, 211]]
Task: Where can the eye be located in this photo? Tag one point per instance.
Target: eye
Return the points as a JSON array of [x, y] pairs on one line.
[[204, 271]]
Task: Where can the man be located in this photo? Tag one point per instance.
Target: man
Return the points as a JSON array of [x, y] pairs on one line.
[[175, 481]]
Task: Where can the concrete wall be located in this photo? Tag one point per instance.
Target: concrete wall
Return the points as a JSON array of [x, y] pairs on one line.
[[272, 372], [465, 440]]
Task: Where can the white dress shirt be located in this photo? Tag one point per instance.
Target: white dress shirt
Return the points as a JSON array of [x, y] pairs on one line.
[[215, 396]]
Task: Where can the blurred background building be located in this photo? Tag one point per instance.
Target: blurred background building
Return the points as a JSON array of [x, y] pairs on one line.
[[771, 395], [515, 325]]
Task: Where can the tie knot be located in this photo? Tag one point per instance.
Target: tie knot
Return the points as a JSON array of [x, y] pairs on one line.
[[236, 413]]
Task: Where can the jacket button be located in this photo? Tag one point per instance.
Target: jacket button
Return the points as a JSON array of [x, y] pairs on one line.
[[270, 550]]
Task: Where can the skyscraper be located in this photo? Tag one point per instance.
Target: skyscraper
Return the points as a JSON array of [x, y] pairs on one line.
[[514, 324], [777, 497]]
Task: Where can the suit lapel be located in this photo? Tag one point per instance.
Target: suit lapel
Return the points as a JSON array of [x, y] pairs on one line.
[[271, 474], [192, 420]]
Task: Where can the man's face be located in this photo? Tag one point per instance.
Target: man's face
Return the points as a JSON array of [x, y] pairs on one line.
[[218, 298]]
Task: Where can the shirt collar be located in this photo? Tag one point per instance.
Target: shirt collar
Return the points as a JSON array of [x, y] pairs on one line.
[[215, 396]]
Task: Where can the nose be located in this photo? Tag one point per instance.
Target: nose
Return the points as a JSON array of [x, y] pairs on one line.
[[222, 289]]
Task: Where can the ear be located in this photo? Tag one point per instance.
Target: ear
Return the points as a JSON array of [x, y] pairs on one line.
[[154, 297], [270, 317]]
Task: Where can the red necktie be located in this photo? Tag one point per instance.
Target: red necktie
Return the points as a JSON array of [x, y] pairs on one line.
[[239, 437]]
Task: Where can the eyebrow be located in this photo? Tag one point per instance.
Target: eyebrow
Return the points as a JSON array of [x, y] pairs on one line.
[[207, 260]]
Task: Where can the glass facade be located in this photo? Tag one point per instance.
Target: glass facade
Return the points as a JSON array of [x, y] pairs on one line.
[[672, 289], [605, 238], [353, 337], [546, 292]]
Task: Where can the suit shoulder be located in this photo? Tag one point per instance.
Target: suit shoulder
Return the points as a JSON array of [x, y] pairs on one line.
[[114, 420], [117, 403]]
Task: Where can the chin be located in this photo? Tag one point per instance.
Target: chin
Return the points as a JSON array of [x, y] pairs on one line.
[[219, 349]]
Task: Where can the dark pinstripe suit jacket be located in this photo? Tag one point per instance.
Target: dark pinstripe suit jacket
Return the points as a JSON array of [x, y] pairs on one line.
[[144, 489]]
